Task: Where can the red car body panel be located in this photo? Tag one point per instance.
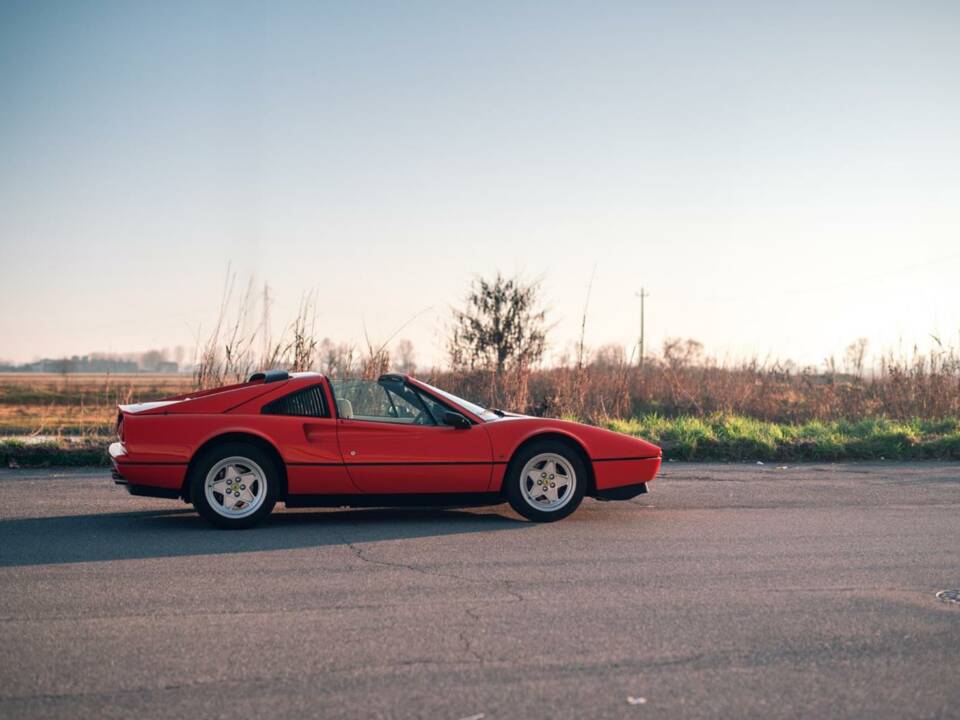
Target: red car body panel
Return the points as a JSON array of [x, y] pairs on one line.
[[335, 455], [386, 458]]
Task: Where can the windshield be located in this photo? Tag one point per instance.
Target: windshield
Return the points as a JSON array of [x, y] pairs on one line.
[[472, 407]]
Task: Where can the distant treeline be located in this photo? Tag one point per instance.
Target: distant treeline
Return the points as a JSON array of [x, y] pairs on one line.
[[152, 361]]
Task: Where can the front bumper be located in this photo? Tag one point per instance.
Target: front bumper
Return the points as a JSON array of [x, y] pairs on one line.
[[615, 473], [624, 492]]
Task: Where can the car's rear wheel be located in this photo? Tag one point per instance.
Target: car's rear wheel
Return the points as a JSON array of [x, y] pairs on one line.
[[234, 485], [546, 481]]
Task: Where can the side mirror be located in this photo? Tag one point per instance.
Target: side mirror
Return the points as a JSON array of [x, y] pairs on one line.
[[455, 419]]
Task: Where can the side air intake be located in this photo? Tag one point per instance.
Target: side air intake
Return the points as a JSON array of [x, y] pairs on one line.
[[270, 376]]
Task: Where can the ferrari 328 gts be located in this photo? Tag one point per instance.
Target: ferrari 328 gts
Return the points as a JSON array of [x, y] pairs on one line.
[[304, 440]]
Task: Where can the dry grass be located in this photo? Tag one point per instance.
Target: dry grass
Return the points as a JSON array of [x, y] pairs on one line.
[[48, 404], [695, 410], [924, 386]]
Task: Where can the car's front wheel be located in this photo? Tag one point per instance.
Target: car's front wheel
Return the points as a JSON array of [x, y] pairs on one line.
[[546, 481], [234, 485]]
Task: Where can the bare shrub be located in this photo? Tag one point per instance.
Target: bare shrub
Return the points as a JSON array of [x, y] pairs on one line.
[[303, 343], [685, 382], [227, 354], [336, 359]]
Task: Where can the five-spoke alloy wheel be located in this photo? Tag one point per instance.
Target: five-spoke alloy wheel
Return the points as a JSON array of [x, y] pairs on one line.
[[546, 481], [234, 485]]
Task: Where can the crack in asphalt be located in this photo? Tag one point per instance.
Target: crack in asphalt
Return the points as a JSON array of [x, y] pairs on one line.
[[468, 647], [465, 639], [361, 554]]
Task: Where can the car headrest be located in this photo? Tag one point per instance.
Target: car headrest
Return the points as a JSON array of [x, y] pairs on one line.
[[345, 407]]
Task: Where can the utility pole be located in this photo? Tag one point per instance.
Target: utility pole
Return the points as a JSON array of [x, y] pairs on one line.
[[643, 295]]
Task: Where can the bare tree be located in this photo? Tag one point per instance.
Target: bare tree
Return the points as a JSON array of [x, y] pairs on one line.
[[151, 360], [610, 356], [337, 360], [64, 365], [502, 324], [406, 358], [679, 354], [856, 352]]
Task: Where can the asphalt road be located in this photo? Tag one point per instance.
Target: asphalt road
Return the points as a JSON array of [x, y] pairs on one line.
[[728, 591]]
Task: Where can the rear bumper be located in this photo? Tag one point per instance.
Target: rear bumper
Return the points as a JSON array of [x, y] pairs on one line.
[[148, 479], [118, 453], [624, 472]]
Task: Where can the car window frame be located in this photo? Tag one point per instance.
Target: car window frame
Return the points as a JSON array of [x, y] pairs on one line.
[[385, 387], [420, 402], [448, 402], [317, 387]]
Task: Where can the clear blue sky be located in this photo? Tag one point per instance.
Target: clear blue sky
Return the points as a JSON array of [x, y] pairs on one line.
[[782, 177]]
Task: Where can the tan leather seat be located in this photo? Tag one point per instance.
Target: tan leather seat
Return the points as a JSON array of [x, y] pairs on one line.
[[345, 407]]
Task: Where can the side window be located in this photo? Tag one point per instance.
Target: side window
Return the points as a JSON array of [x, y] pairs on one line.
[[308, 402], [435, 408], [404, 405], [381, 402]]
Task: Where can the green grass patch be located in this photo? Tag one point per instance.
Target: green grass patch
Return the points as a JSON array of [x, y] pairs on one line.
[[733, 437], [715, 437], [65, 452]]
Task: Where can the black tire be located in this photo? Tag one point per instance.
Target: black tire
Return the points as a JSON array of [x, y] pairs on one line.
[[514, 482], [206, 462]]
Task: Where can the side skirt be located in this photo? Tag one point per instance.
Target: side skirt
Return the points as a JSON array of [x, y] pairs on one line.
[[624, 492], [396, 500]]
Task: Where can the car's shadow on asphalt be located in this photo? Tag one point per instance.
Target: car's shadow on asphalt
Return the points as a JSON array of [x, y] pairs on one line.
[[181, 532]]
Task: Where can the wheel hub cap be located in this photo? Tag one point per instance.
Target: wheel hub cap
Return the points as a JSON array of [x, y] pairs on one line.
[[235, 487], [548, 482]]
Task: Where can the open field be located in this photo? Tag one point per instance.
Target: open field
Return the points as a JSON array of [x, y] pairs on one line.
[[49, 404], [728, 591], [719, 437], [48, 420]]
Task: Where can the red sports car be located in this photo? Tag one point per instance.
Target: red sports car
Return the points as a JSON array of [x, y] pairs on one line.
[[307, 441]]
